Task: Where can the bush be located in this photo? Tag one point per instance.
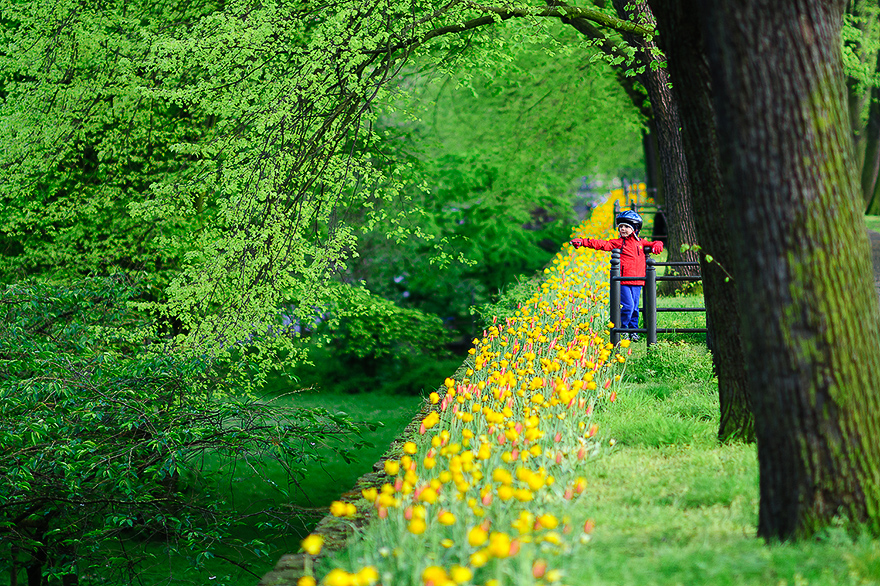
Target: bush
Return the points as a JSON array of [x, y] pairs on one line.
[[367, 343], [105, 432], [508, 300]]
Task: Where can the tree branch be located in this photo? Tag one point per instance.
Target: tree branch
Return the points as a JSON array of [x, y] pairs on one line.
[[565, 11]]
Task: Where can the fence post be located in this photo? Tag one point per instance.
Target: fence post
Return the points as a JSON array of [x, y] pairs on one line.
[[650, 305], [614, 294]]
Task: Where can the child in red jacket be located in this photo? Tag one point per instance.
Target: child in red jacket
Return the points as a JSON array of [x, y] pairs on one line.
[[632, 263]]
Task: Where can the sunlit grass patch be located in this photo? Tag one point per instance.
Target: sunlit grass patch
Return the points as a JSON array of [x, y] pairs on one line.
[[683, 515]]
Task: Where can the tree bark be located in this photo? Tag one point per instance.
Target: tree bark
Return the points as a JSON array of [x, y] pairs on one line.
[[809, 313], [652, 164], [682, 42]]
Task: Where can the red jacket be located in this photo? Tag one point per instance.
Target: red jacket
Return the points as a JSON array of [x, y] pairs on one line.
[[632, 254]]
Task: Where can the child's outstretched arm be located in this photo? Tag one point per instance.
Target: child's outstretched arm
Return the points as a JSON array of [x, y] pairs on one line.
[[596, 243]]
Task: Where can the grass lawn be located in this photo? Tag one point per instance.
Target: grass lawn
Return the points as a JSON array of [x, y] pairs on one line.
[[391, 413], [873, 223], [673, 507], [323, 483]]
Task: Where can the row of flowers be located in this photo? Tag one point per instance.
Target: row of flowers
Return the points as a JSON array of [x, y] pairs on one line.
[[488, 490]]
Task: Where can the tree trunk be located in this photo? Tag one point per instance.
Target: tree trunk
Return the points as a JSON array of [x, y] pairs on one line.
[[13, 566], [677, 188], [809, 312], [652, 164], [681, 39]]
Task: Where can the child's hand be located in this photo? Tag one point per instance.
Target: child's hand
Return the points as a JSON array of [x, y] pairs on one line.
[[657, 248], [577, 242]]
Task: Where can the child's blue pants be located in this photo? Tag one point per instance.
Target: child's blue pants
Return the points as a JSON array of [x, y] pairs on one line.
[[629, 305]]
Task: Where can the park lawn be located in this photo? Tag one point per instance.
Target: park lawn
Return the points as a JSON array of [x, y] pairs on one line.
[[671, 506]]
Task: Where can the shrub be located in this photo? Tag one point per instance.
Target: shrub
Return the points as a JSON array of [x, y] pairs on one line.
[[508, 301], [105, 432]]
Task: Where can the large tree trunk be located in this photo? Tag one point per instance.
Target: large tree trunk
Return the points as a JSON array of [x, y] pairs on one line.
[[681, 39], [673, 165], [652, 164], [809, 312]]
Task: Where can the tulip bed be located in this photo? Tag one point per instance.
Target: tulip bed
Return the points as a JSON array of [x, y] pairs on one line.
[[487, 492]]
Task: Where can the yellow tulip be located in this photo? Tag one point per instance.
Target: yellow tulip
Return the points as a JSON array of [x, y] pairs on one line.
[[460, 574], [434, 574], [312, 544], [368, 575], [478, 559], [548, 521], [337, 577], [392, 467], [477, 536], [446, 518]]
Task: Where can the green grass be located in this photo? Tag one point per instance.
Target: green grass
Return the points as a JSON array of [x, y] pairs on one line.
[[672, 507], [873, 223], [391, 413], [324, 482]]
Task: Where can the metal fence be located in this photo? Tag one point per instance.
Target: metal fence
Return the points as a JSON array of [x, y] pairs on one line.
[[649, 310]]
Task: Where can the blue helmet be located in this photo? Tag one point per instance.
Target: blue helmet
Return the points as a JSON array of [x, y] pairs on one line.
[[631, 218]]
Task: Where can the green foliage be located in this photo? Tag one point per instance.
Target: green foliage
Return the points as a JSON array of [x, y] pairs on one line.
[[106, 436], [367, 343], [237, 149], [366, 326], [494, 167], [860, 35], [83, 141], [508, 301]]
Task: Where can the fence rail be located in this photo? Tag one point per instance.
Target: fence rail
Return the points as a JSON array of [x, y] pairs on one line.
[[649, 310]]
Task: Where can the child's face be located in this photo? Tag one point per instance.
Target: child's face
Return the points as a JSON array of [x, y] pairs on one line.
[[625, 230]]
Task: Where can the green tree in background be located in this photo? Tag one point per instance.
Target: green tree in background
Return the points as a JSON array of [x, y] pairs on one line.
[[861, 59], [472, 141]]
